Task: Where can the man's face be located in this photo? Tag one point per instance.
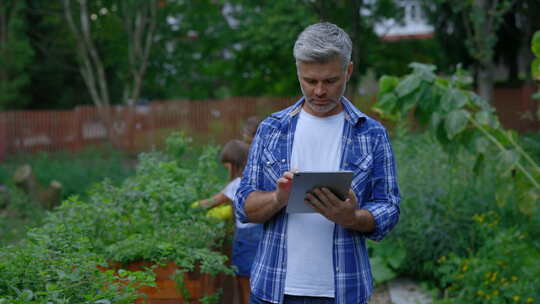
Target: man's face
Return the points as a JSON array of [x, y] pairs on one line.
[[323, 85]]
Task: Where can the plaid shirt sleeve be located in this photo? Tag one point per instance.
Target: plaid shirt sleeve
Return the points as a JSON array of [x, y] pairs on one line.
[[384, 205], [249, 182]]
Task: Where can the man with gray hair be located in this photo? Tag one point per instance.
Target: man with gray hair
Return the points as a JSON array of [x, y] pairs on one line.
[[318, 257]]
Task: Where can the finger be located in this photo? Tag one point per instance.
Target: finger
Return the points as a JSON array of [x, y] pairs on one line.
[[333, 200], [351, 199], [288, 175], [284, 183], [312, 201], [322, 197]]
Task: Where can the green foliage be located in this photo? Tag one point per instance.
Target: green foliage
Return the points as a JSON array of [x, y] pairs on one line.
[[15, 55], [386, 258], [460, 119], [440, 196], [18, 213], [263, 63], [32, 272], [76, 171], [464, 170], [503, 270], [147, 217], [535, 67]]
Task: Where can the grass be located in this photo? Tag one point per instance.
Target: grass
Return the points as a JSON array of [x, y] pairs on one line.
[[75, 171]]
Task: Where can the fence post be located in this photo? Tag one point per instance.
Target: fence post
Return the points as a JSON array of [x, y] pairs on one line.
[[76, 122], [3, 136]]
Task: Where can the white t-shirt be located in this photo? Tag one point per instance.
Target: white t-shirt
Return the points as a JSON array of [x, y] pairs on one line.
[[230, 192], [316, 147]]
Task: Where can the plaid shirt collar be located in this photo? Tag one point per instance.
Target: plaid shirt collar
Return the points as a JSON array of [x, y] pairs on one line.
[[352, 114]]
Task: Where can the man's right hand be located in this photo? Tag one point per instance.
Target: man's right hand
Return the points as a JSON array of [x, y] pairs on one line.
[[283, 188], [260, 206]]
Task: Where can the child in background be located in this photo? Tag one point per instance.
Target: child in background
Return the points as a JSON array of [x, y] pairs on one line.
[[233, 157], [246, 236], [250, 128]]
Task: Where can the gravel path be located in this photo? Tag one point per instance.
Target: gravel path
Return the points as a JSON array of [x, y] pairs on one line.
[[381, 295], [400, 291]]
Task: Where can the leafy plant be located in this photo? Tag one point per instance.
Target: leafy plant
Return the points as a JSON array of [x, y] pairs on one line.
[[17, 215], [535, 67], [440, 196], [504, 270], [461, 119], [386, 258], [147, 217]]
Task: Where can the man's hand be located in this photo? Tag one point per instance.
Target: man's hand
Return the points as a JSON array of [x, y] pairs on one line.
[[283, 188], [261, 206], [334, 209]]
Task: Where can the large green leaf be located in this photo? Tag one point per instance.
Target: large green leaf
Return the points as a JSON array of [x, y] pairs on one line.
[[535, 44], [529, 202], [387, 84], [408, 85], [456, 122], [424, 71], [427, 105], [386, 106], [381, 270], [504, 192], [482, 117], [453, 99], [509, 158], [535, 68]]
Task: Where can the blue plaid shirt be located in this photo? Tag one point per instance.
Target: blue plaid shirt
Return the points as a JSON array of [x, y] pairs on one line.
[[367, 152]]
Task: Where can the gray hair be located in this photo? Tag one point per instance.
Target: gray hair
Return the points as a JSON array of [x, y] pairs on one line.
[[323, 42]]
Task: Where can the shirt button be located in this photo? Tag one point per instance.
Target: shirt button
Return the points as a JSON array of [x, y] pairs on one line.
[[268, 163], [337, 269], [283, 160]]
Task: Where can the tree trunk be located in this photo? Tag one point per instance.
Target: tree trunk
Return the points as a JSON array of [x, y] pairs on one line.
[[485, 81]]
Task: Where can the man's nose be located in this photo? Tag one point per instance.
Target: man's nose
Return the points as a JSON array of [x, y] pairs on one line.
[[320, 89]]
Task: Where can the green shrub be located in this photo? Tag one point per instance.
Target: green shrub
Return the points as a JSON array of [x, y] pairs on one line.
[[503, 270], [18, 215], [440, 195], [35, 273], [147, 217]]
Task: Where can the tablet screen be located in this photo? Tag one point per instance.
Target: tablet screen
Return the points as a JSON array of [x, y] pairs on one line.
[[338, 182]]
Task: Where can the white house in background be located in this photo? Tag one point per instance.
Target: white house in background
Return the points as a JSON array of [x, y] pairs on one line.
[[414, 25]]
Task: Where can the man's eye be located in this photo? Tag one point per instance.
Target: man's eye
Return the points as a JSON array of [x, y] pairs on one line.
[[333, 80]]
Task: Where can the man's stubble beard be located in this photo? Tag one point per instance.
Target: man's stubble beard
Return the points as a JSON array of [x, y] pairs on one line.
[[327, 108]]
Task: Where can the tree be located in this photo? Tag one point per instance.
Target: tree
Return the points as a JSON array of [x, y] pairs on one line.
[[479, 21], [192, 55], [139, 20], [514, 37], [15, 55], [264, 33]]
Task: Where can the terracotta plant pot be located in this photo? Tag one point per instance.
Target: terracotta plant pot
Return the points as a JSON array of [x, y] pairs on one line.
[[196, 283]]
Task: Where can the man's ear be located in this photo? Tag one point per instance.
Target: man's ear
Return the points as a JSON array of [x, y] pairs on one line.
[[349, 70]]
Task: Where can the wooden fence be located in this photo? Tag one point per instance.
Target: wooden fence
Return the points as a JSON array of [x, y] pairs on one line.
[[129, 128], [143, 127]]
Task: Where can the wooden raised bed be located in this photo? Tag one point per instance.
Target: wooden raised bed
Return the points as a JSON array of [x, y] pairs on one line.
[[196, 283]]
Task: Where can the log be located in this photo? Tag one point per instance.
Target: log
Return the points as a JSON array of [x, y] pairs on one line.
[[50, 197], [25, 180]]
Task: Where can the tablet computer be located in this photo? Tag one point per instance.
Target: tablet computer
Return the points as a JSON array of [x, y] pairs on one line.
[[339, 182]]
